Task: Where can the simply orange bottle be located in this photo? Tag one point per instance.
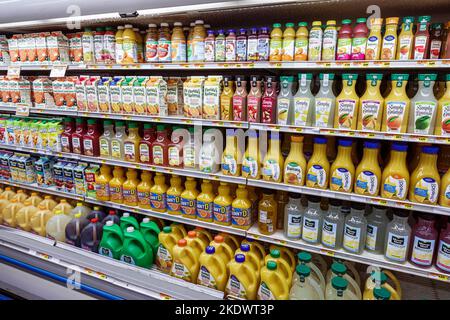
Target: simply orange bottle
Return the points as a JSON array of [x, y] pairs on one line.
[[301, 42], [276, 43]]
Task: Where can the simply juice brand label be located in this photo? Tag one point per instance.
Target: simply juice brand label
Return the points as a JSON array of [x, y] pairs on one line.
[[206, 279], [346, 110], [301, 109], [366, 183], [370, 111], [293, 173], [283, 110], [174, 156], [420, 43], [271, 169], [397, 246], [323, 110], [395, 112], [426, 190], [404, 46], [422, 251], [341, 180], [316, 176], [329, 231], [359, 48], [352, 237], [310, 230], [423, 113], [235, 288], [395, 187], [180, 271], [445, 124]]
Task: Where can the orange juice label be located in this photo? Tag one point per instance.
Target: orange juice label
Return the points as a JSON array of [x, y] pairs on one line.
[[316, 176], [222, 214], [211, 97], [104, 100], [370, 110], [264, 292], [116, 193], [445, 124], [116, 97], [175, 96], [366, 183], [346, 110], [158, 201], [173, 203], [193, 97], [143, 198], [130, 196], [395, 187], [156, 91], [205, 278], [426, 190], [180, 271], [241, 217], [188, 207], [205, 210], [163, 259], [235, 288], [341, 180], [395, 111]]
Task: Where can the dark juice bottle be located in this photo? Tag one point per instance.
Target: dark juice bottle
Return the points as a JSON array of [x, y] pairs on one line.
[[91, 140], [145, 145], [77, 136], [66, 135]]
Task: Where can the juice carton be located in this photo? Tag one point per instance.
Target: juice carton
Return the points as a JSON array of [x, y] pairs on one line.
[[156, 90], [69, 181], [22, 44], [34, 133], [126, 89], [43, 169], [4, 54], [20, 168], [175, 96], [4, 90], [41, 47], [70, 96], [17, 128], [75, 48], [116, 94], [13, 167], [58, 93], [193, 97], [104, 99], [78, 176], [55, 128], [5, 173], [13, 48], [42, 135], [25, 169], [42, 94], [3, 134], [89, 180], [212, 89], [58, 175], [25, 133], [80, 93], [139, 95], [58, 47], [31, 48], [10, 131], [20, 91], [92, 94]]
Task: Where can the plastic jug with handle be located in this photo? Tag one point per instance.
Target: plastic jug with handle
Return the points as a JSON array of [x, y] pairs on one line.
[[204, 234], [257, 248], [286, 254], [222, 248], [74, 228], [305, 258], [350, 270], [135, 249], [339, 291], [379, 279], [91, 235], [56, 226], [20, 196], [340, 270], [127, 220], [112, 216], [24, 215], [168, 238], [38, 221], [96, 213], [10, 212], [8, 193], [186, 263], [179, 229], [81, 209], [320, 262], [35, 199], [243, 281], [48, 203], [213, 269], [282, 265], [306, 288], [112, 240], [231, 240], [274, 285], [150, 232], [3, 203], [251, 259], [195, 242], [63, 206]]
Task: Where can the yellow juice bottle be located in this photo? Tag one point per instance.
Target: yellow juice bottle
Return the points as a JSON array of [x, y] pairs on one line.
[[179, 229], [102, 183], [273, 161], [226, 99], [251, 258], [174, 195], [243, 280], [143, 190], [318, 168], [405, 39], [425, 179], [8, 193], [295, 163], [368, 171], [222, 205], [395, 178], [164, 255], [213, 270], [231, 157], [205, 202], [443, 112], [189, 198], [397, 104], [267, 212], [347, 101], [371, 104], [158, 193], [251, 160], [195, 242], [389, 46], [130, 188], [342, 170], [274, 285], [222, 248], [444, 198], [287, 51], [116, 185], [301, 42], [257, 248], [276, 43], [185, 262], [20, 196], [241, 209], [131, 143], [231, 240]]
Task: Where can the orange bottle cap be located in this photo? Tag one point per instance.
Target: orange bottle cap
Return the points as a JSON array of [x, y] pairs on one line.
[[192, 234], [297, 138], [182, 243], [218, 238]]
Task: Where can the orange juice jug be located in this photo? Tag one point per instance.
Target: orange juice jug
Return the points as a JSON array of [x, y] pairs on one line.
[[267, 213], [223, 249], [164, 255], [20, 196], [10, 212], [273, 161], [205, 202], [178, 43], [389, 46], [8, 194], [116, 185], [178, 229], [130, 188], [231, 240], [35, 199], [63, 206], [397, 103], [286, 254], [342, 171], [174, 195], [143, 190], [274, 285], [213, 269], [241, 209], [3, 204], [39, 220], [188, 198], [301, 42], [295, 163], [288, 47], [24, 215], [222, 205], [283, 265], [347, 103], [425, 179], [374, 41], [204, 235], [318, 168], [102, 183], [444, 198], [131, 143], [371, 104], [368, 172], [395, 178], [257, 248], [48, 203], [443, 112], [243, 280], [185, 262], [129, 45], [276, 43], [158, 193], [195, 242]]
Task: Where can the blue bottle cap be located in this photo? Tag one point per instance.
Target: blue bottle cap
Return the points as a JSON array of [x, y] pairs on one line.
[[345, 142], [240, 258], [245, 247], [371, 144], [320, 140], [430, 150], [210, 250], [398, 146]]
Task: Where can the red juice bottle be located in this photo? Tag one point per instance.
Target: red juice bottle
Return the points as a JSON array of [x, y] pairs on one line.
[[424, 237], [269, 101], [360, 34], [240, 99], [254, 100], [175, 149], [160, 145], [443, 250], [145, 145], [77, 136], [91, 139], [66, 135], [344, 42], [422, 38]]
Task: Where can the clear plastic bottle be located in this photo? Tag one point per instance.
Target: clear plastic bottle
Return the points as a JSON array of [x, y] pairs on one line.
[[398, 234], [422, 115], [377, 222], [306, 288], [285, 101], [325, 100], [303, 101], [333, 225], [312, 221], [293, 217], [355, 229]]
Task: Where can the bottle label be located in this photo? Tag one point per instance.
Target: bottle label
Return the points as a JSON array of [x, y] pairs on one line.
[[253, 104], [420, 43], [329, 44], [366, 183], [158, 200], [241, 217], [235, 288], [220, 50], [370, 112], [179, 51], [301, 110], [104, 147], [435, 49], [124, 258], [144, 153], [102, 190], [116, 151], [241, 49], [352, 238], [180, 271], [158, 156], [359, 48], [229, 165], [263, 49], [205, 278], [316, 176], [388, 47], [151, 50], [222, 214], [275, 49], [206, 162], [404, 47], [188, 207], [230, 49], [371, 237], [130, 196], [264, 292], [173, 203], [346, 111], [446, 196], [395, 187], [164, 50], [395, 111], [267, 110], [65, 144], [344, 49], [423, 115], [88, 147], [372, 48], [189, 157], [76, 145], [426, 190], [129, 151], [199, 49], [293, 173], [323, 110], [163, 259], [87, 43], [301, 50], [119, 53], [397, 246], [310, 230], [422, 251], [250, 167], [105, 252], [315, 45], [174, 156], [264, 218], [209, 51], [294, 225], [443, 257], [205, 210], [341, 180], [238, 108], [129, 52], [271, 170], [143, 198], [288, 50], [252, 49], [329, 234], [445, 124], [283, 110], [116, 193]]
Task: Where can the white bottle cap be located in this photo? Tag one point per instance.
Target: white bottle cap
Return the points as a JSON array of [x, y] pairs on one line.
[[135, 29], [152, 25], [199, 22], [128, 26], [207, 26], [164, 24], [109, 223], [192, 24], [146, 220], [126, 214], [177, 24], [120, 28], [130, 229]]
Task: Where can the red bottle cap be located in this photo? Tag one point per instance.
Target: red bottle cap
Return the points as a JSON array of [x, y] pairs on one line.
[[94, 220], [182, 243], [192, 234], [218, 238]]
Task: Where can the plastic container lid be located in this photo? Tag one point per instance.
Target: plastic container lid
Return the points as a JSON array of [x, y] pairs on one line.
[[381, 293], [320, 140], [346, 21], [398, 146], [192, 234], [304, 257], [160, 127], [128, 26], [112, 213], [210, 250], [132, 125], [79, 120], [167, 229], [152, 25], [339, 268], [182, 243], [276, 25], [177, 24], [358, 205], [107, 122], [339, 283], [77, 215], [125, 214], [361, 20], [242, 30], [400, 76], [199, 22], [371, 144], [219, 239], [345, 142], [289, 25], [240, 258], [294, 195], [330, 76], [146, 220], [120, 123], [130, 229], [295, 138], [307, 75], [424, 19], [314, 199], [275, 253], [408, 19], [109, 223], [302, 270], [430, 150], [317, 23], [231, 31], [331, 22], [427, 76], [378, 276], [272, 265]]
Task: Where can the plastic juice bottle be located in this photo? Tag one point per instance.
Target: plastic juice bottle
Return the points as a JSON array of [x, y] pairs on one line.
[[239, 101], [359, 41], [374, 40], [269, 101], [210, 41], [347, 104], [295, 164], [283, 265], [56, 226], [174, 195], [210, 155], [112, 240], [136, 250], [87, 42], [444, 198], [424, 238], [442, 127], [116, 185], [241, 214], [422, 38], [164, 43], [190, 155], [333, 225], [303, 101], [185, 262], [198, 41], [389, 46], [231, 157], [241, 45], [226, 98], [205, 202], [95, 213], [48, 203], [128, 220], [396, 113], [63, 205], [119, 45], [315, 42], [344, 41], [8, 194], [91, 138], [151, 43], [276, 43], [77, 136], [38, 221], [10, 211], [377, 222], [150, 232], [158, 193], [273, 161], [355, 229], [285, 101], [293, 217], [318, 168], [131, 143], [213, 269], [405, 39], [324, 103], [189, 198], [143, 190], [189, 46], [204, 235], [425, 179], [220, 47], [251, 160], [66, 141], [254, 100], [338, 290], [339, 270], [129, 45], [443, 256], [252, 45], [398, 233], [329, 41], [110, 45], [267, 213], [20, 196], [256, 248], [274, 285], [130, 188], [368, 171], [263, 44], [436, 40], [395, 178], [222, 248], [371, 104], [288, 43], [178, 43], [102, 183], [378, 280], [312, 221], [195, 242], [105, 139], [222, 205], [117, 147], [306, 288], [159, 146], [99, 35], [74, 228], [422, 116], [145, 145], [164, 256]]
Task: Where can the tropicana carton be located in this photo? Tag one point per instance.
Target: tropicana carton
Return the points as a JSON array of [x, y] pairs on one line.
[[20, 91], [70, 99], [212, 89], [104, 97], [126, 89], [58, 48], [80, 93], [156, 90], [193, 97], [116, 94], [140, 95], [92, 94], [13, 46]]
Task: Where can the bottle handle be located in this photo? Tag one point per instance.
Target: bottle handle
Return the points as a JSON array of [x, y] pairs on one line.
[[397, 285]]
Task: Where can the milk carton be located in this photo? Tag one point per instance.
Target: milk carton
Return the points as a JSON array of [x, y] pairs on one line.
[[175, 96], [156, 90]]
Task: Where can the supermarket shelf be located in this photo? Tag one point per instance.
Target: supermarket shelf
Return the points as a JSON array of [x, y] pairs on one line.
[[49, 190], [365, 258], [407, 205], [15, 148], [116, 276], [166, 216]]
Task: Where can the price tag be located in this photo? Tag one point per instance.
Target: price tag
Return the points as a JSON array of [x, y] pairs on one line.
[[407, 206], [298, 129], [101, 275], [13, 71], [23, 110], [165, 296], [437, 276], [138, 166], [58, 71], [89, 271], [327, 252], [283, 242]]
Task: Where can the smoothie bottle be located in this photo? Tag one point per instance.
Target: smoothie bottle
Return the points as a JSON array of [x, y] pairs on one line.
[[371, 104], [159, 146], [422, 39], [397, 103], [330, 35], [424, 237], [395, 177], [374, 41], [263, 44], [324, 103], [346, 103], [210, 45], [344, 41], [360, 34], [303, 101], [405, 39], [301, 42], [230, 46], [422, 116], [240, 99], [269, 101], [241, 45], [178, 43], [287, 51], [220, 48], [276, 43], [254, 100], [198, 41], [252, 45], [389, 46], [315, 42]]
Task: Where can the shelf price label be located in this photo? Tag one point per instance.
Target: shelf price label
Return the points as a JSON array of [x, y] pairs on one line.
[[58, 71], [13, 72], [441, 277], [23, 110], [164, 296], [327, 252]]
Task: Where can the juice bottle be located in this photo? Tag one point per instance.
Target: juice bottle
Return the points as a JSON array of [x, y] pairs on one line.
[[117, 148], [269, 101], [112, 240], [213, 269], [371, 104], [220, 47], [185, 262], [39, 220], [333, 225], [87, 42], [424, 237], [288, 47], [378, 280], [306, 288], [10, 211], [80, 207], [243, 280], [136, 250], [374, 41], [35, 199], [74, 228], [276, 43], [355, 229], [398, 233], [285, 101], [158, 193], [223, 249], [267, 213], [174, 195], [329, 41], [226, 98], [342, 172], [77, 136], [425, 179], [252, 45], [164, 43], [8, 194], [251, 160], [344, 41], [102, 183], [116, 185], [189, 45], [301, 42], [377, 222], [254, 100], [318, 168], [338, 290], [324, 103], [303, 101], [295, 164], [359, 41], [395, 178], [119, 45], [131, 143], [48, 202], [145, 145], [66, 135], [315, 42], [231, 157], [283, 265], [368, 171], [95, 213], [222, 205], [442, 127], [91, 146], [210, 155], [241, 215], [274, 285], [20, 196], [178, 40], [405, 39], [159, 146], [210, 44], [422, 116], [422, 38], [105, 139], [240, 99], [273, 161], [312, 221], [396, 113], [139, 45], [198, 41], [436, 40], [389, 46], [128, 220], [194, 241], [129, 45], [339, 270], [263, 44], [293, 217], [109, 46], [164, 256], [189, 198], [241, 45], [443, 256], [151, 43], [130, 188], [56, 226], [205, 202], [346, 103], [190, 155]]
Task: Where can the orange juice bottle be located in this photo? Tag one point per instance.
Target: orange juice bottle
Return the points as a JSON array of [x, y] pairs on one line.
[[395, 178], [131, 143], [116, 185], [342, 171], [276, 43], [119, 44], [267, 213], [368, 172], [444, 198], [222, 205], [185, 262], [371, 104], [143, 190], [241, 209], [189, 198], [102, 183], [257, 248], [174, 195], [425, 179], [243, 281], [374, 40], [274, 285], [178, 43], [347, 103], [222, 248], [251, 258], [130, 54], [205, 202], [318, 168], [158, 193], [213, 269], [273, 161], [301, 42], [295, 164], [287, 51], [389, 46], [130, 188], [164, 255]]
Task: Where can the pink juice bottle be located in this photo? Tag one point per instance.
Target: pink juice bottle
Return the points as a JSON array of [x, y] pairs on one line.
[[269, 101], [344, 43], [443, 250], [424, 238], [360, 34]]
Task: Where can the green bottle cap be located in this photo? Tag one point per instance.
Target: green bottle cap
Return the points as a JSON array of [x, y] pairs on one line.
[[427, 76], [408, 19], [107, 122], [302, 24], [271, 265], [330, 76], [160, 127], [308, 76], [289, 25], [275, 253], [381, 294], [339, 283], [361, 20], [339, 268], [132, 125], [120, 123], [304, 257], [79, 120], [400, 76], [147, 125], [92, 121], [424, 19], [167, 229], [346, 21], [378, 276], [277, 25], [287, 78], [303, 270]]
